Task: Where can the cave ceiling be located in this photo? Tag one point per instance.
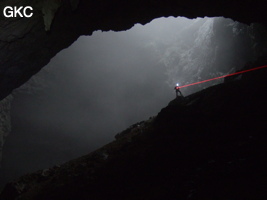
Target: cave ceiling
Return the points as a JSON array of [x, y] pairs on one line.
[[28, 44]]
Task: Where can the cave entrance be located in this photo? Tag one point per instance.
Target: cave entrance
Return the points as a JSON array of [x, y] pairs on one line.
[[108, 81]]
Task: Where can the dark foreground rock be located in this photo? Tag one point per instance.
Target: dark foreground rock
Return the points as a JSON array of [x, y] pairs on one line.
[[210, 145]]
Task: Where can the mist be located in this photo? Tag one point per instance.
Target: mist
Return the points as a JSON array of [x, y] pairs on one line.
[[103, 83]]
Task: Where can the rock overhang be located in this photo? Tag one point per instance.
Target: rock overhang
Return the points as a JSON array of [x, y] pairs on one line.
[[28, 44]]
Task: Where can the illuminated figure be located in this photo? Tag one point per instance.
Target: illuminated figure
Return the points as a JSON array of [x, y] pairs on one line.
[[177, 90]]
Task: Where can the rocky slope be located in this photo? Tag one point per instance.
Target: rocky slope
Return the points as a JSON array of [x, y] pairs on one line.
[[190, 50], [28, 44], [208, 48], [209, 145]]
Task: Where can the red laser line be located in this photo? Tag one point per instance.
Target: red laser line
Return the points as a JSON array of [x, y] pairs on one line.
[[248, 70]]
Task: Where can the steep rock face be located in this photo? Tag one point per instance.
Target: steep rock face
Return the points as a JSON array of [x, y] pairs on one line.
[[210, 145], [26, 47], [208, 48]]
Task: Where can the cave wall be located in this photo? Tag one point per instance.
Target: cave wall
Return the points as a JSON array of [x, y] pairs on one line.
[[28, 44]]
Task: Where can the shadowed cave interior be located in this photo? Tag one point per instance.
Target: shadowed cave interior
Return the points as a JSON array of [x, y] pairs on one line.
[[122, 78]]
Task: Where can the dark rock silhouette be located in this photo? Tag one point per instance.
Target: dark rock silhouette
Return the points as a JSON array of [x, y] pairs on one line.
[[57, 24], [209, 145]]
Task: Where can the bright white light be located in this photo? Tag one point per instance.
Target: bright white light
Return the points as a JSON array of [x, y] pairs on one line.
[[177, 84]]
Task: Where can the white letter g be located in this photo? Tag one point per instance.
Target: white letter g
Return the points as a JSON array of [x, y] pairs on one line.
[[8, 13]]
